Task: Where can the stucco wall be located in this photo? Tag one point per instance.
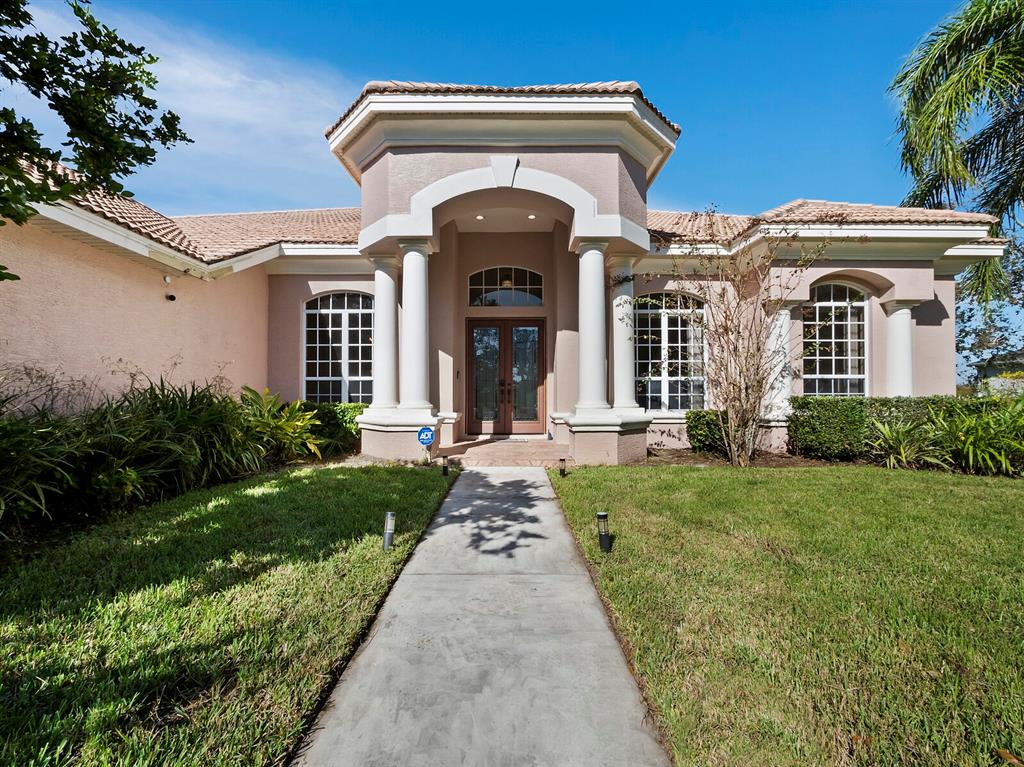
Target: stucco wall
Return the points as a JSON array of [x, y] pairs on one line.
[[615, 179], [935, 341], [89, 311]]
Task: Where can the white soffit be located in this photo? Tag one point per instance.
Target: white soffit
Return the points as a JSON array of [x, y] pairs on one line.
[[386, 120]]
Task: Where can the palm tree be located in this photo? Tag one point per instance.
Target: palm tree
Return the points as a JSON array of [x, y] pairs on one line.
[[962, 123]]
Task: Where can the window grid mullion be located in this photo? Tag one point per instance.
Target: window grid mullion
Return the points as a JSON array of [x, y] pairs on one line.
[[663, 316]]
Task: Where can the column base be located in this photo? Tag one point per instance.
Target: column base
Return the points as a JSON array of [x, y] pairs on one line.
[[608, 437], [392, 434]]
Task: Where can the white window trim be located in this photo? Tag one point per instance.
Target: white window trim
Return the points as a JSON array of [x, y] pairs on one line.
[[469, 287], [304, 345], [866, 303], [665, 412]]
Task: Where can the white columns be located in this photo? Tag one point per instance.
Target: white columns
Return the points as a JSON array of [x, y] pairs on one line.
[[593, 341], [620, 270], [414, 359], [780, 385], [899, 351], [385, 333]]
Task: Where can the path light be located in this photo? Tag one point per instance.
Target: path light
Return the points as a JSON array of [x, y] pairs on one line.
[[389, 529], [602, 531], [561, 467], [444, 465]]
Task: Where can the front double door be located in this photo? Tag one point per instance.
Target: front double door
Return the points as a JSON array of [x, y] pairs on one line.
[[505, 380]]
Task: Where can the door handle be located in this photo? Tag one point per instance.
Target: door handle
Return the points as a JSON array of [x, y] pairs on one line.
[[501, 391]]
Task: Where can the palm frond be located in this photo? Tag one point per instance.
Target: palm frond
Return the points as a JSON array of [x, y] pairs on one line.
[[985, 282], [972, 63]]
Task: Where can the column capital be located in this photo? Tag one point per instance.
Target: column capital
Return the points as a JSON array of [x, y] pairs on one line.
[[385, 263], [586, 246], [620, 263], [891, 307], [418, 245]]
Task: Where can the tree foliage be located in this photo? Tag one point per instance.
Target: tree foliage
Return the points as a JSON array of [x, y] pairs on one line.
[[743, 291], [962, 133], [100, 87]]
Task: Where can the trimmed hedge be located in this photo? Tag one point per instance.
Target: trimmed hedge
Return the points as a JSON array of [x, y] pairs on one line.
[[703, 432], [337, 430], [832, 428], [839, 428]]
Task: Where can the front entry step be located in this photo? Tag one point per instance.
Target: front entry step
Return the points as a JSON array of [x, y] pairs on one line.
[[508, 452]]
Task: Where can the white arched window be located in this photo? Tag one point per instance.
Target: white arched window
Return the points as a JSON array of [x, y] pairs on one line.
[[669, 339], [339, 348], [506, 286], [835, 341]]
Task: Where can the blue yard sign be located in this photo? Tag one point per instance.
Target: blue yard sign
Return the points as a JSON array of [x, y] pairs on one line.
[[426, 436]]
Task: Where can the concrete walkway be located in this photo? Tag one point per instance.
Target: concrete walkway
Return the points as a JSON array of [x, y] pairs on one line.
[[492, 649]]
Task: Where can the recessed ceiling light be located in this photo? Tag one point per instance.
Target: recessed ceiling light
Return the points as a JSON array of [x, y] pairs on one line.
[[479, 217], [532, 216]]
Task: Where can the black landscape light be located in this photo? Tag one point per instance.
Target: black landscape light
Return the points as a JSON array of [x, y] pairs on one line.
[[444, 465], [603, 535], [389, 529], [561, 467]]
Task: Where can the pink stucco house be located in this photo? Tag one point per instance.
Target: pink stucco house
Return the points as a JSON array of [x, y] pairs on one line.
[[478, 288]]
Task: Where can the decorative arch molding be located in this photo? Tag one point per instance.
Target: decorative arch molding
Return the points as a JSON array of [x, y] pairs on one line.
[[871, 283], [504, 171]]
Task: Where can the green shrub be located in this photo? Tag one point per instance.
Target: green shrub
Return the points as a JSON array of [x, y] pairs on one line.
[[153, 441], [336, 429], [158, 440], [986, 442], [831, 428], [902, 444], [38, 456], [982, 435], [704, 432], [284, 429], [919, 409]]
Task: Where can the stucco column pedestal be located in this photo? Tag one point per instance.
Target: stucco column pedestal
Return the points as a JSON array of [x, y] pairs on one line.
[[599, 433], [390, 427]]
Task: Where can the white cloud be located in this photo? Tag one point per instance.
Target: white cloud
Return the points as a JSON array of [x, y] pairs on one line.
[[257, 121]]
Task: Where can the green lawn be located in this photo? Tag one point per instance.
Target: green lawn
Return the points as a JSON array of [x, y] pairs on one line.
[[203, 630], [836, 616]]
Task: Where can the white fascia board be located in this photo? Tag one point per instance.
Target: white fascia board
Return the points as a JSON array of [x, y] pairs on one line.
[[321, 265], [319, 249], [96, 226], [920, 233], [959, 257], [287, 250], [681, 250], [639, 130], [978, 250], [877, 231]]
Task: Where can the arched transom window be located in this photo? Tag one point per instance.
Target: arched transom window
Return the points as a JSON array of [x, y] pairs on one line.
[[506, 286], [835, 342], [669, 340], [339, 348]]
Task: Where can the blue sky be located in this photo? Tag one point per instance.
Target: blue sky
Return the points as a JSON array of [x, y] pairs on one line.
[[776, 100]]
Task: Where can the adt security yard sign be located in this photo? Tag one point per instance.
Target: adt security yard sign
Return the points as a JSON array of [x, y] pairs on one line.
[[426, 436]]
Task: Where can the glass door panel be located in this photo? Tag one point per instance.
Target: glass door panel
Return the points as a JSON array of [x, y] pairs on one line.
[[486, 356], [525, 350]]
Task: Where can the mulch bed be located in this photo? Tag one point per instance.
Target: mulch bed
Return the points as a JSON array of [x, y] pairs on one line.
[[665, 457]]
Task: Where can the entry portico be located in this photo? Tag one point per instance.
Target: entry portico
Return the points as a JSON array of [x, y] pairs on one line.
[[556, 181]]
